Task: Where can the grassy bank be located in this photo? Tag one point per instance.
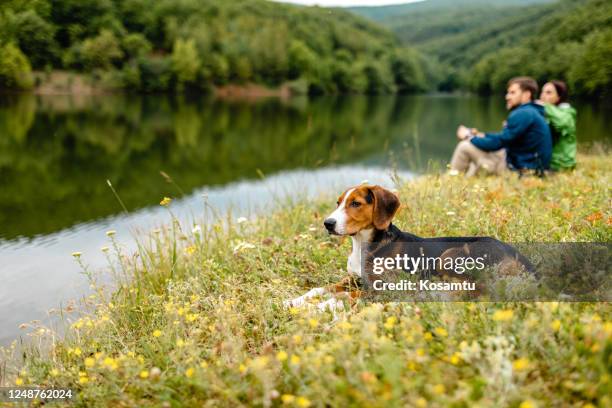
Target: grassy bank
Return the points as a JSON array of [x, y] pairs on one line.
[[197, 317]]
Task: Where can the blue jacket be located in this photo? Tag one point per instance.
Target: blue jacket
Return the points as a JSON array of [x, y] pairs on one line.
[[526, 138]]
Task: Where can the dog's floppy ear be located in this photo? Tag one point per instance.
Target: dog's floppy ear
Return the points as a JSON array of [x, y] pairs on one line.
[[386, 205]]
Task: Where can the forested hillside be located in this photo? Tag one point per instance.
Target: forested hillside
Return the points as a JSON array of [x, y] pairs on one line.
[[157, 45], [478, 45]]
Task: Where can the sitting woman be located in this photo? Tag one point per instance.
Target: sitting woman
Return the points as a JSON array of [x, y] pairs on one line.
[[561, 118]]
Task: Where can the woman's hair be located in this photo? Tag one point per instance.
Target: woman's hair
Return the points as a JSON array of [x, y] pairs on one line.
[[561, 88]]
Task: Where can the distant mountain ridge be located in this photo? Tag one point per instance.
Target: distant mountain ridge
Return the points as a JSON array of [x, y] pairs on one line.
[[380, 13], [480, 44]]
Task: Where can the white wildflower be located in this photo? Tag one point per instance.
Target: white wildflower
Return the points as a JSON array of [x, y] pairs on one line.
[[241, 246]]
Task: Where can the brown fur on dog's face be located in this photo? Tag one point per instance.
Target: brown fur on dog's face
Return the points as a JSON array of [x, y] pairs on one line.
[[362, 207]]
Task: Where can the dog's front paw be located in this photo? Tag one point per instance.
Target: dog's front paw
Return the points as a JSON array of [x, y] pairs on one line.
[[331, 305], [297, 302]]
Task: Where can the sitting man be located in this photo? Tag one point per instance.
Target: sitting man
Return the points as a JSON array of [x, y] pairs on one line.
[[524, 143]]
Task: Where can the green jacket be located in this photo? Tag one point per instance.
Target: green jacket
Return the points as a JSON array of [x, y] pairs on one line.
[[562, 121]]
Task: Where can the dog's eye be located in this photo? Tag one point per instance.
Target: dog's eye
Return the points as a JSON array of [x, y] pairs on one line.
[[355, 204], [337, 203]]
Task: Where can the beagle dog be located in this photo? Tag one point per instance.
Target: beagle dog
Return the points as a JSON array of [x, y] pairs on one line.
[[365, 213]]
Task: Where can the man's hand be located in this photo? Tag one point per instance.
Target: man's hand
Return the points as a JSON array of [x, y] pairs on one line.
[[463, 133], [477, 133]]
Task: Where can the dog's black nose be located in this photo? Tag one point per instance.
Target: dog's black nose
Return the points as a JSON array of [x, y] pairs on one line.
[[329, 223]]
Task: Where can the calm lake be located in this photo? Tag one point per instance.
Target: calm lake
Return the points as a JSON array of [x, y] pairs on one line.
[[57, 153]]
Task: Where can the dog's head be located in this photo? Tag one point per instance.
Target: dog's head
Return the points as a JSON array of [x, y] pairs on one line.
[[361, 208]]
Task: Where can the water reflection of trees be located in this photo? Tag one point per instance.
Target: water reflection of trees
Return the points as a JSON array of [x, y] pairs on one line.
[[56, 153]]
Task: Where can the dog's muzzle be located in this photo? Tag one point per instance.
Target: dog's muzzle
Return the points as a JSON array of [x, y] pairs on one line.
[[330, 225]]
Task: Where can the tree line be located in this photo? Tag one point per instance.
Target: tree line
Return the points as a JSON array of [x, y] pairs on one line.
[[162, 45]]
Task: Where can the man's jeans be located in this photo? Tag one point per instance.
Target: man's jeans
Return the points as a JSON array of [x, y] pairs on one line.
[[470, 159]]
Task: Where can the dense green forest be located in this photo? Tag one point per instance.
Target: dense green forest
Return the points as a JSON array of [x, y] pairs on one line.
[[158, 45], [478, 45]]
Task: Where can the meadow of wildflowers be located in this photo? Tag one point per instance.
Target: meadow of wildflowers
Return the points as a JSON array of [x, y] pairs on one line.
[[196, 316]]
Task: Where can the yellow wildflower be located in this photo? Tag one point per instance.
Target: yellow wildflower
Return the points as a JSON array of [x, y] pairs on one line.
[[527, 404], [520, 364], [295, 360], [144, 374], [281, 356], [428, 336], [421, 403], [165, 201], [157, 333], [439, 389], [110, 363], [19, 381], [180, 343], [555, 325], [390, 322], [83, 380], [242, 368], [189, 372], [503, 315], [313, 323], [77, 351], [260, 362], [344, 325], [302, 402], [287, 398], [441, 331], [203, 364], [190, 250], [297, 339], [90, 362], [54, 372], [455, 359]]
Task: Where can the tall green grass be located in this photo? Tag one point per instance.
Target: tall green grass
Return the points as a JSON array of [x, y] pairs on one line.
[[196, 316]]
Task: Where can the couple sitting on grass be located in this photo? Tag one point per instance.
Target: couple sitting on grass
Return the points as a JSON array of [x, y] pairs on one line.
[[538, 135]]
